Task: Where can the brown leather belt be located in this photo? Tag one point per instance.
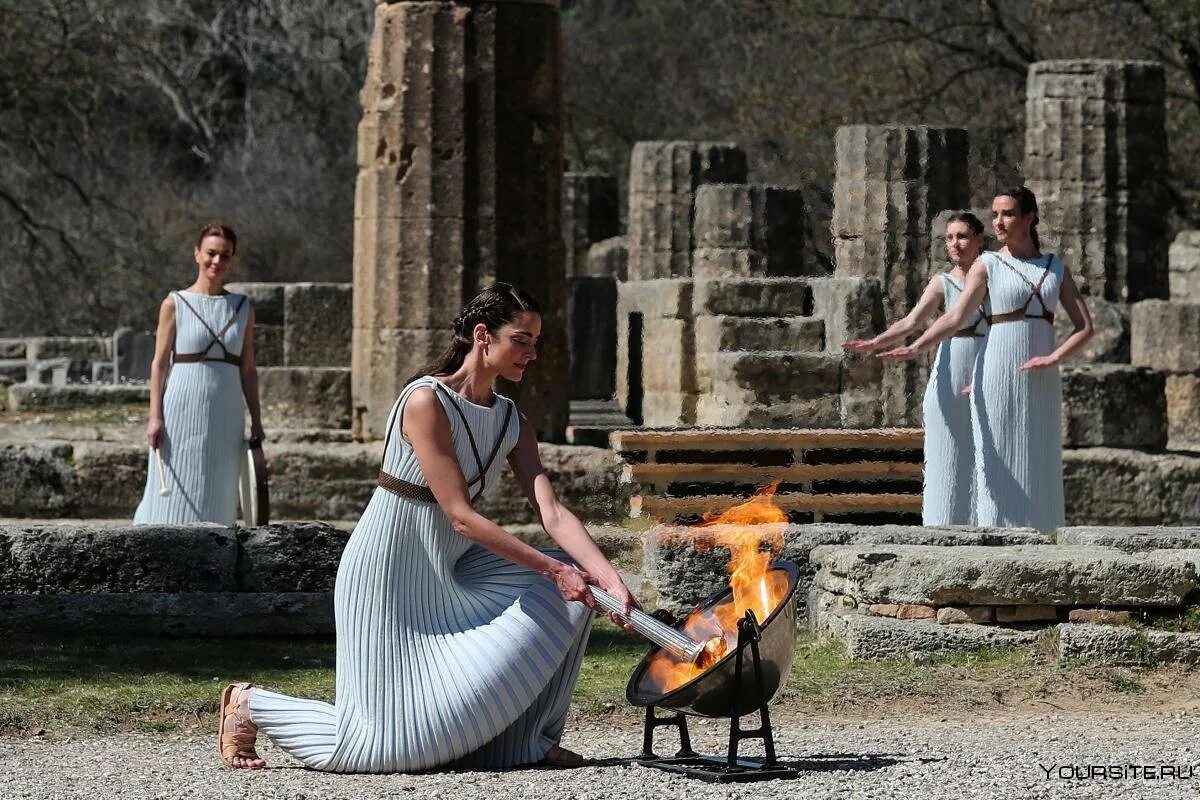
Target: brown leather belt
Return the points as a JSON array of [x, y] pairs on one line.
[[403, 488], [967, 332], [190, 358], [1019, 314]]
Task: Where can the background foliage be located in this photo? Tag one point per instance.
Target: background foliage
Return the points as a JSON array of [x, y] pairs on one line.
[[125, 124]]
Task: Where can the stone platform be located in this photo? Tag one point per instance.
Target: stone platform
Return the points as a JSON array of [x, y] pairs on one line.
[[187, 580], [894, 590]]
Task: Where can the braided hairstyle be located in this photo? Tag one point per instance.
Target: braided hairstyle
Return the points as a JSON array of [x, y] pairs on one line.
[[495, 307], [1027, 202]]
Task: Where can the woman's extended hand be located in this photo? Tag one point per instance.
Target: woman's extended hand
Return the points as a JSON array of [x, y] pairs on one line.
[[901, 354], [154, 432], [1040, 362], [859, 346]]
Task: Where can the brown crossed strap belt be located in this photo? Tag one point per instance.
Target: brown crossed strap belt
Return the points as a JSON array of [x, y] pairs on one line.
[[423, 494], [226, 357], [405, 489], [1022, 313], [967, 332], [188, 358]]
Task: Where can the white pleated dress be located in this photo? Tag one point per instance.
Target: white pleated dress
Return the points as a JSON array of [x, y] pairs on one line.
[[204, 417], [1016, 414], [447, 654], [948, 497]]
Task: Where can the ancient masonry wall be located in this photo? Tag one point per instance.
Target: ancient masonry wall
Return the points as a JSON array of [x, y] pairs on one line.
[[459, 184]]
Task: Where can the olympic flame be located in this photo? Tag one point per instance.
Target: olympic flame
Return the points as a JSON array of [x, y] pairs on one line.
[[753, 534]]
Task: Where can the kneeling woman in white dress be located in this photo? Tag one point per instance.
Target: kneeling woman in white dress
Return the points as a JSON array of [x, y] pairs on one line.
[[948, 498], [457, 644], [1016, 393]]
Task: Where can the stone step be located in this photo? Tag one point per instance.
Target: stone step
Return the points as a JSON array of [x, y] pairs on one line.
[[668, 509], [868, 637], [732, 334], [1059, 575], [735, 439], [663, 474]]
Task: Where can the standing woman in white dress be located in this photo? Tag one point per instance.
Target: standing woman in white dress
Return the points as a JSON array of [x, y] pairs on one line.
[[947, 498], [457, 643], [202, 382], [1016, 396]]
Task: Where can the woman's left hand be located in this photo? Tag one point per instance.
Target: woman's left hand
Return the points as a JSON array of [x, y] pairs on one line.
[[256, 431], [901, 354], [617, 588], [1040, 362]]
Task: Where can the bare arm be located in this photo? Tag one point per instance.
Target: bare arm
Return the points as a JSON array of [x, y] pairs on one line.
[[249, 373], [1073, 303], [428, 430], [930, 301], [160, 367], [557, 520], [974, 289]]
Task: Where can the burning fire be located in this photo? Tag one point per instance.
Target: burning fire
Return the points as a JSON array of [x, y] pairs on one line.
[[753, 533]]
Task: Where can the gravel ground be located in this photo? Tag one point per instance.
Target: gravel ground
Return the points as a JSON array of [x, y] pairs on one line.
[[897, 757]]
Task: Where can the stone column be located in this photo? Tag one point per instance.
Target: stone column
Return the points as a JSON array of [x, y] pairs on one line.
[[1184, 261], [589, 215], [459, 184], [891, 183], [656, 356], [1096, 157], [663, 178]]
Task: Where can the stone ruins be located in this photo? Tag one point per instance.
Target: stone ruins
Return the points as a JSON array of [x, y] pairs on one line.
[[710, 303]]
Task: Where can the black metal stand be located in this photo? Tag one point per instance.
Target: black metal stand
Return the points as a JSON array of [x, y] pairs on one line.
[[732, 768]]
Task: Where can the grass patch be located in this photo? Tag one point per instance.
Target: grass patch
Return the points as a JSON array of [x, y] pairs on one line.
[[1125, 684], [1186, 620], [104, 685]]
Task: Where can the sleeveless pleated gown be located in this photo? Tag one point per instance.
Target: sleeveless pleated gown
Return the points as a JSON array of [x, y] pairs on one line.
[[948, 497], [446, 653], [204, 417], [1016, 414]]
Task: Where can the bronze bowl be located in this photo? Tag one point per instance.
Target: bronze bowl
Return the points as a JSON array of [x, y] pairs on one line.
[[717, 692]]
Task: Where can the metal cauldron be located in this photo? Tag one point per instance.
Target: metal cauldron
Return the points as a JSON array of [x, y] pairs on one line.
[[717, 692]]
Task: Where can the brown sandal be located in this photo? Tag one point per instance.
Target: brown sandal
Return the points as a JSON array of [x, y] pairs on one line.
[[562, 757], [237, 743]]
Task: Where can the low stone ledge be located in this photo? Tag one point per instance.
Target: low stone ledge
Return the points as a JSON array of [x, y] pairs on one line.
[[76, 559], [1110, 486], [25, 397], [298, 557], [1020, 575], [170, 614], [309, 480], [1118, 644], [683, 572], [1132, 539], [1114, 405], [59, 559], [868, 638]]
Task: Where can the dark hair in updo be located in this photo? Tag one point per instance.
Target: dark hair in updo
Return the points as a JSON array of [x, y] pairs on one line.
[[495, 307], [972, 221], [217, 229], [1027, 202]]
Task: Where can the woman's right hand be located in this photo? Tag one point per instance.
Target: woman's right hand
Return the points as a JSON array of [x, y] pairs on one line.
[[154, 432], [573, 583]]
